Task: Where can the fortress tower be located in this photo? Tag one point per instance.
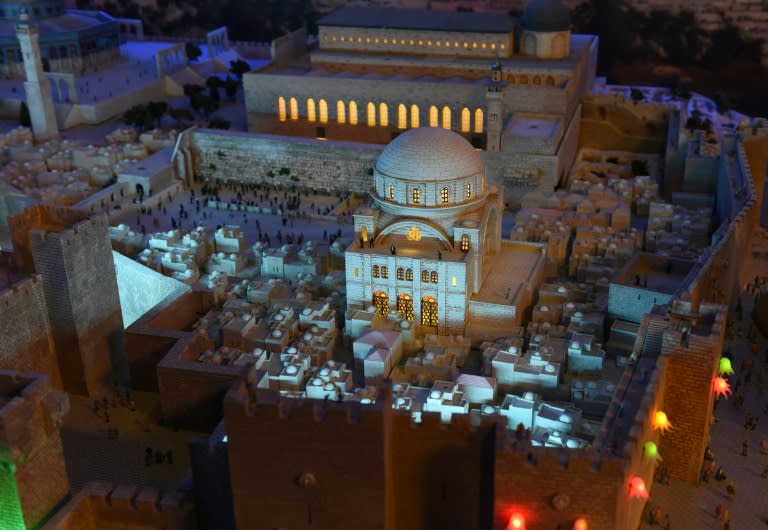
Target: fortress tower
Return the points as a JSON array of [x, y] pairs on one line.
[[36, 87], [74, 256]]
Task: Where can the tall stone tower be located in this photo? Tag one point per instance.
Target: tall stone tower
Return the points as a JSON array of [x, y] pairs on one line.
[[36, 87], [495, 104], [73, 254]]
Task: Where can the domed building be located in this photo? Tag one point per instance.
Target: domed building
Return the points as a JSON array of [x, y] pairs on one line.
[[427, 246], [546, 29], [70, 41]]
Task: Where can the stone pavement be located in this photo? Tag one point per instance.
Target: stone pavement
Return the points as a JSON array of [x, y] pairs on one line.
[[91, 455], [692, 506]]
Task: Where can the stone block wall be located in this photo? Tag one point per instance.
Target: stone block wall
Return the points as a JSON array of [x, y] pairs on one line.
[[27, 339], [105, 506], [321, 165], [30, 444]]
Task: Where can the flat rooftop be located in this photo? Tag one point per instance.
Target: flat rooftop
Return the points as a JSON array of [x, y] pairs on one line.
[[529, 125], [419, 19], [511, 267]]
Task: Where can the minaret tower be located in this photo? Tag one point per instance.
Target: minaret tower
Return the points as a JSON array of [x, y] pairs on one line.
[[36, 87], [495, 105]]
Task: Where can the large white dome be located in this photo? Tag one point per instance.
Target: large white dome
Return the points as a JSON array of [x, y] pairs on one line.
[[429, 154]]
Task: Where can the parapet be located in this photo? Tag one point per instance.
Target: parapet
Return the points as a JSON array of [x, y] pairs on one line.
[[136, 508]]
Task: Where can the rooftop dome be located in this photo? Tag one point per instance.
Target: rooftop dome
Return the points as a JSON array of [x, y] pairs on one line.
[[429, 154], [546, 15]]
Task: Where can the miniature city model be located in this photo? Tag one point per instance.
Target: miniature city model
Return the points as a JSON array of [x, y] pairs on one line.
[[449, 279]]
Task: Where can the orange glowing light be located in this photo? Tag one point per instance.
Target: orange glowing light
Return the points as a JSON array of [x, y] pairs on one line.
[[516, 522], [581, 524], [661, 422], [721, 387], [637, 488]]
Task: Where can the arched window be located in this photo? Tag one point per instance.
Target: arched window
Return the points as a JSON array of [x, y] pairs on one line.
[[353, 113], [416, 195], [523, 79], [468, 190], [446, 117], [465, 120], [479, 121], [293, 105], [400, 273], [375, 271], [402, 117], [549, 81], [433, 117], [433, 276], [425, 276], [414, 116], [381, 302], [429, 315], [444, 195], [341, 112], [405, 306], [536, 80], [464, 245], [281, 108], [311, 113], [383, 115], [384, 272], [370, 114], [391, 192], [323, 111], [408, 275]]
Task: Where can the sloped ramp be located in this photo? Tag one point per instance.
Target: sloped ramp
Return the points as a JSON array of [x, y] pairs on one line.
[[174, 83], [141, 288]]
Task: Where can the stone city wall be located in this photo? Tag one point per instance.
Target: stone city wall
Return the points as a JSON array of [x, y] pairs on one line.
[[27, 338], [311, 163]]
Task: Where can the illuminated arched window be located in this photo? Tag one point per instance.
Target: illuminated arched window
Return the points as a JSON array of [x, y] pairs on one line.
[[433, 117], [464, 245], [433, 276], [375, 271], [468, 190], [446, 117], [293, 105], [341, 112], [416, 195], [323, 111], [409, 275], [414, 116], [465, 120], [391, 192], [384, 271], [281, 108], [370, 114], [311, 112], [400, 273], [353, 113], [402, 117], [523, 79], [381, 302], [429, 315], [405, 306], [479, 121], [444, 195], [549, 81], [383, 115], [536, 80], [425, 276]]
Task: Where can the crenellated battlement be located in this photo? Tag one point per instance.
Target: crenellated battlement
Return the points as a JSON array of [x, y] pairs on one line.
[[133, 506]]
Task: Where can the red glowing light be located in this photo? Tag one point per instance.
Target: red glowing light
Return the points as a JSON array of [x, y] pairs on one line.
[[637, 488], [581, 524], [516, 522], [721, 387]]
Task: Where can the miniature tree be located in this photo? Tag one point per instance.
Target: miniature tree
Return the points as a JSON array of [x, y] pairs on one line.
[[24, 118], [239, 68], [193, 51], [180, 115], [230, 87], [207, 105], [213, 83], [219, 123], [722, 102], [156, 109], [639, 167], [135, 116], [636, 95]]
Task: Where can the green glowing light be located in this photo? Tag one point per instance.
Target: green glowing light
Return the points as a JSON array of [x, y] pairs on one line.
[[725, 367], [650, 451], [10, 506]]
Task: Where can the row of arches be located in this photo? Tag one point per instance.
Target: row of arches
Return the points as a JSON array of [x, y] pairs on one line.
[[378, 115], [403, 274], [437, 42], [524, 79], [404, 306]]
